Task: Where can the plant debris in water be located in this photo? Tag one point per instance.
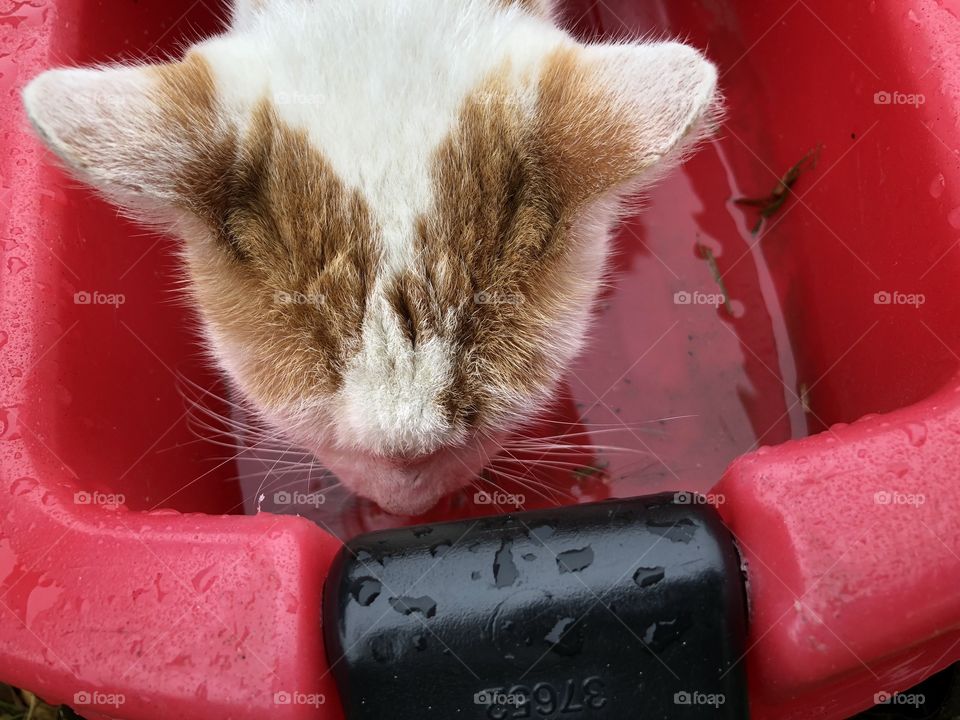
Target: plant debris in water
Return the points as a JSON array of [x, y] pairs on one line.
[[707, 254], [24, 705], [770, 205]]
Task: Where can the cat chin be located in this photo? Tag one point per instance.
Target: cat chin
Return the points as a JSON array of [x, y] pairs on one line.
[[408, 496], [410, 489], [406, 506]]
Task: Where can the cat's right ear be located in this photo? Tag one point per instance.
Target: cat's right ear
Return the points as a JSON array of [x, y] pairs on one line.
[[616, 116], [131, 132]]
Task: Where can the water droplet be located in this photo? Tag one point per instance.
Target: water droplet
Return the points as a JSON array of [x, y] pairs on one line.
[[916, 433], [205, 579], [406, 605], [22, 486], [15, 265], [954, 218], [663, 633], [43, 597], [9, 429], [566, 637], [365, 557], [366, 590], [440, 550], [541, 533], [645, 577], [505, 571], [937, 186], [682, 530], [575, 560]]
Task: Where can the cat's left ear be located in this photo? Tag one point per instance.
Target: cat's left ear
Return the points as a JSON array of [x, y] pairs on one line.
[[131, 132]]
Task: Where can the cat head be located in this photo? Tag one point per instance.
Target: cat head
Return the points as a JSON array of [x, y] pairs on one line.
[[395, 216]]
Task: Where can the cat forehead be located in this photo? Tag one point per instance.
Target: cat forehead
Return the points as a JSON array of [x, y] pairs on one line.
[[393, 298], [376, 86], [437, 305]]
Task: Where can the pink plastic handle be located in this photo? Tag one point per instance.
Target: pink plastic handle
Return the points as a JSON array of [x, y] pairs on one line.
[[149, 615], [853, 559]]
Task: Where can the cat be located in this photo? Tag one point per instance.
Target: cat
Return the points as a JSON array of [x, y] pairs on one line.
[[395, 216]]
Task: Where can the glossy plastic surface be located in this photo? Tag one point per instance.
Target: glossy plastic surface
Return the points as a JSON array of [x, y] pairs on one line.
[[853, 559], [582, 613], [92, 393]]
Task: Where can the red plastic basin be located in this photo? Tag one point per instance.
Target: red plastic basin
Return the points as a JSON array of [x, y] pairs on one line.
[[182, 607]]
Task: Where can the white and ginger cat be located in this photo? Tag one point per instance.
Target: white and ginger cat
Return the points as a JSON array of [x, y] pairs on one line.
[[395, 214]]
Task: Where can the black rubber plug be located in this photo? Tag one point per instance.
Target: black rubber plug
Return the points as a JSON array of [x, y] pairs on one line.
[[621, 609]]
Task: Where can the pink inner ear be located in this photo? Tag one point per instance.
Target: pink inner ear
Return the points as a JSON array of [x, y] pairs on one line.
[[131, 132]]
